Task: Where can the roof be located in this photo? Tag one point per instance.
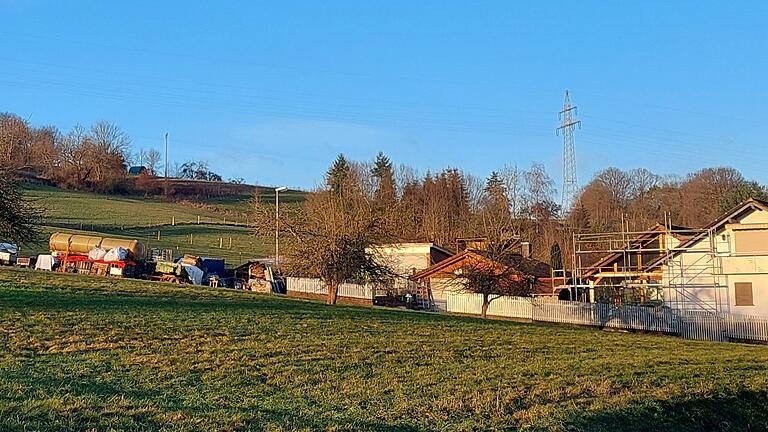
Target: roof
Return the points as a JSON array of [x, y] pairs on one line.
[[136, 169], [540, 269], [643, 238], [745, 207]]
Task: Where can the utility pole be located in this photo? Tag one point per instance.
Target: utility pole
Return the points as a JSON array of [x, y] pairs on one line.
[[165, 178], [568, 124], [277, 223]]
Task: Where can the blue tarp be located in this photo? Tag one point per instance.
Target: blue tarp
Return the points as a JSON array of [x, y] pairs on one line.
[[212, 265]]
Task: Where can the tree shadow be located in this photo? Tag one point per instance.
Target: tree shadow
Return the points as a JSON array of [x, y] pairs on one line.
[[741, 411]]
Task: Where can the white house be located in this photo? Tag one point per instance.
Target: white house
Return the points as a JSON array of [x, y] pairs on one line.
[[406, 259], [724, 268]]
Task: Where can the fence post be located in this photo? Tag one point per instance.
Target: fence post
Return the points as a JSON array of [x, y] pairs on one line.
[[230, 242], [198, 219], [158, 235], [221, 242], [173, 220]]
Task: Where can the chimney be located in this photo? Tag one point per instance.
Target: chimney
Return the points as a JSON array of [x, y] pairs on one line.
[[525, 250]]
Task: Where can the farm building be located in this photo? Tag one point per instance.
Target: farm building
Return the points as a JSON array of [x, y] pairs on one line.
[[405, 259], [444, 277]]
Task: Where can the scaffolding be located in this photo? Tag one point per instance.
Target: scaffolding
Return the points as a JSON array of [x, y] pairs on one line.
[[666, 265]]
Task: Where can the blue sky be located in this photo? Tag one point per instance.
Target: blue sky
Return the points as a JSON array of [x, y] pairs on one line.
[[272, 91]]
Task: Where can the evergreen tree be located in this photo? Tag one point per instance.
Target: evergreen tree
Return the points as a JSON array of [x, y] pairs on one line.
[[19, 218], [385, 177], [497, 191], [338, 173]]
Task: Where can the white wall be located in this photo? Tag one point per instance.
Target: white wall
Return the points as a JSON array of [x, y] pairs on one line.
[[705, 281], [403, 258]]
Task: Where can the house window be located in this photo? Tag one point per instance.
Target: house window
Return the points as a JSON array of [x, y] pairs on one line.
[[743, 294], [751, 242]]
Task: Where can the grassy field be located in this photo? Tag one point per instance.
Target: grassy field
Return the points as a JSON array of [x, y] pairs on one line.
[[133, 217], [82, 353], [206, 240]]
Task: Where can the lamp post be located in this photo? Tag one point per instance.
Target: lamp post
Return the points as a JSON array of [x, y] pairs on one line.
[[277, 223]]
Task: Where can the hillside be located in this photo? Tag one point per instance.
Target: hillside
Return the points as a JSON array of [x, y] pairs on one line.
[[90, 353], [220, 220]]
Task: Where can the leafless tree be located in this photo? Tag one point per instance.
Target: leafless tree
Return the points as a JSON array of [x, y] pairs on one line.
[[329, 235], [152, 161]]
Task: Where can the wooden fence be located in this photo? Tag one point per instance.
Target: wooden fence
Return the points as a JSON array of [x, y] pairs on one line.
[[689, 325], [316, 286]]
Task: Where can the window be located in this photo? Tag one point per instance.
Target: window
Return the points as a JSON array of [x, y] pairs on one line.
[[751, 242], [743, 293]]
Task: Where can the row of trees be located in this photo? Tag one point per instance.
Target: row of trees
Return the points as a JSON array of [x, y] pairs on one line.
[[642, 198], [93, 158]]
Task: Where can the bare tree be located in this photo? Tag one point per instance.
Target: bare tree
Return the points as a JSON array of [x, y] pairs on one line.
[[152, 161], [329, 235]]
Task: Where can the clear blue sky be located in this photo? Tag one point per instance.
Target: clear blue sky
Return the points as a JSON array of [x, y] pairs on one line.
[[272, 91]]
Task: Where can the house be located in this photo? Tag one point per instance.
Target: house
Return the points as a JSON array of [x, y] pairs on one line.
[[444, 277], [405, 259], [724, 267], [628, 271], [136, 170]]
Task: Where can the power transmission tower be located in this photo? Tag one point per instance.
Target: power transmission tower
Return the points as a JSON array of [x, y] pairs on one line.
[[568, 124]]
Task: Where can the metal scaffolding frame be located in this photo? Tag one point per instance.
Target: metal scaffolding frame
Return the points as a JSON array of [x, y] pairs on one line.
[[662, 265]]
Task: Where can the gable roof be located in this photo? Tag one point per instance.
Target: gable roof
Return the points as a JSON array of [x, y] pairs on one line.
[[642, 239], [742, 209], [540, 269], [136, 170]]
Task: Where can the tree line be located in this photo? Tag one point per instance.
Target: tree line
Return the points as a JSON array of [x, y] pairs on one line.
[[92, 158], [641, 198]]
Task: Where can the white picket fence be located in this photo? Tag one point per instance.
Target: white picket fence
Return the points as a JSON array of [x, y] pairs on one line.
[[316, 286], [690, 325]]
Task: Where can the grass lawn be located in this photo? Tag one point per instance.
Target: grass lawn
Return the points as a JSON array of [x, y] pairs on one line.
[[72, 207], [95, 353], [205, 241]]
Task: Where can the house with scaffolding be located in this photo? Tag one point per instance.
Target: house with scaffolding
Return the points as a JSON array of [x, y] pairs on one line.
[[722, 268], [625, 270]]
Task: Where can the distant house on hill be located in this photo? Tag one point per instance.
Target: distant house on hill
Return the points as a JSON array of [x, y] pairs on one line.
[[136, 170]]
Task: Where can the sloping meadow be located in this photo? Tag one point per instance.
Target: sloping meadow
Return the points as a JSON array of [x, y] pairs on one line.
[[98, 353]]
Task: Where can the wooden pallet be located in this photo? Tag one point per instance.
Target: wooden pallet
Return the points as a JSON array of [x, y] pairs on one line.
[[99, 269]]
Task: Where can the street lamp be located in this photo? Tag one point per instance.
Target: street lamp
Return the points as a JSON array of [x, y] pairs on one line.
[[277, 223]]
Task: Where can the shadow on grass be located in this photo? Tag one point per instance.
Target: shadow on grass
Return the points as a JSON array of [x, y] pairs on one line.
[[741, 411], [184, 301]]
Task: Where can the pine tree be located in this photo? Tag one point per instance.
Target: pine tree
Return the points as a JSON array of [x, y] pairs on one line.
[[19, 217], [338, 173], [496, 190], [385, 176]]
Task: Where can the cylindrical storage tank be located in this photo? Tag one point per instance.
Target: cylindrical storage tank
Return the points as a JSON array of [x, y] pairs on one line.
[[73, 244], [59, 242], [134, 246], [82, 244]]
